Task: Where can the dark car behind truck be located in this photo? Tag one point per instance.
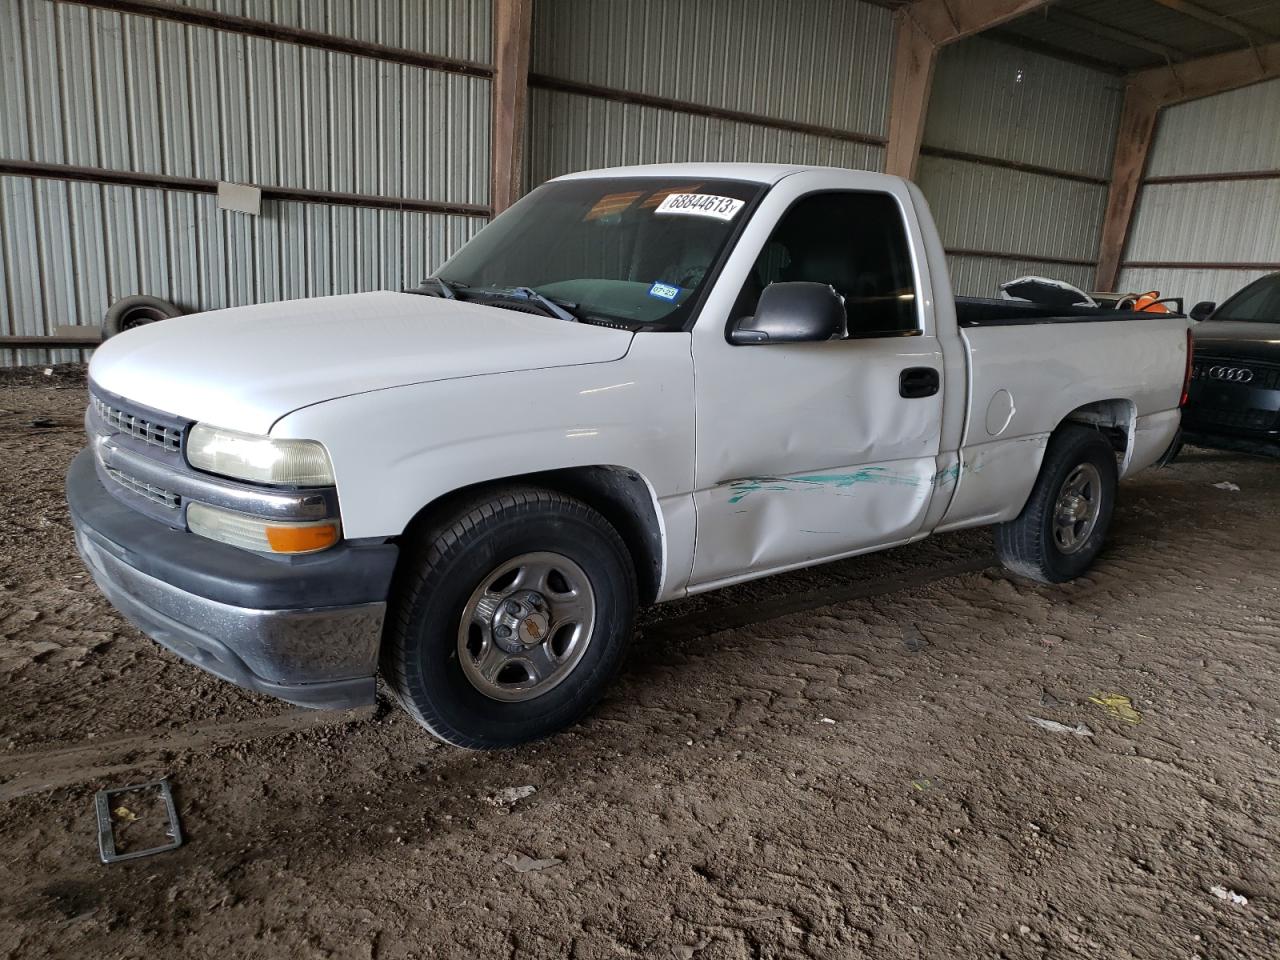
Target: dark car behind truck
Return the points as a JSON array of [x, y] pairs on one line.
[[1234, 401]]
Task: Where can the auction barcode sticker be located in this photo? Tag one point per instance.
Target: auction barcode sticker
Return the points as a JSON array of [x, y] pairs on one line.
[[701, 205]]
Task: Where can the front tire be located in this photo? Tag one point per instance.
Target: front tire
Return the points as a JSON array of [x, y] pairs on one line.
[[1064, 523], [509, 620]]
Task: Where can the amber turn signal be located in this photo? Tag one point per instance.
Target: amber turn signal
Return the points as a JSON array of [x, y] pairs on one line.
[[302, 539]]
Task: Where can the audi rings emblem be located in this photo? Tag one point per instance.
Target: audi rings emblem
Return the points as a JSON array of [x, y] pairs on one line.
[[1231, 374]]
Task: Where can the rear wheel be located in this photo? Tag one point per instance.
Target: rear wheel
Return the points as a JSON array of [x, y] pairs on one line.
[[1064, 523], [509, 620]]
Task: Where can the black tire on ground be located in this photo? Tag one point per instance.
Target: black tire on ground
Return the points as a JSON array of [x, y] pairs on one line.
[[136, 311], [441, 574], [1031, 544]]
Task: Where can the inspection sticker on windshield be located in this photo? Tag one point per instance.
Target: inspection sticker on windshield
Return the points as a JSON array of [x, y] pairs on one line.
[[701, 205], [664, 291]]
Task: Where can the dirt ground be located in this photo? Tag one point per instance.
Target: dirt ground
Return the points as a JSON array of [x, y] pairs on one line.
[[835, 763]]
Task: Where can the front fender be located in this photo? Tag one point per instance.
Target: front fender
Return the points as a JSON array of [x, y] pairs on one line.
[[395, 451]]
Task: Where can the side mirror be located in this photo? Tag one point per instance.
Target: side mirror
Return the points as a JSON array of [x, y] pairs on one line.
[[792, 313], [1202, 310]]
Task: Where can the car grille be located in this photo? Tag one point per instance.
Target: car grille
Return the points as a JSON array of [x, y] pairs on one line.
[[158, 495], [148, 431], [1256, 376]]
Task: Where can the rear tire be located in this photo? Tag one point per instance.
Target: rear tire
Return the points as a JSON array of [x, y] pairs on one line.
[[509, 620], [1064, 523]]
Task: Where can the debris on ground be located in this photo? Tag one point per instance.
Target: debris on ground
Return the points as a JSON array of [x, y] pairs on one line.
[[913, 639], [510, 795], [1118, 705], [922, 784], [1227, 485], [109, 850], [1222, 893], [522, 864], [43, 422], [1053, 726], [825, 720]]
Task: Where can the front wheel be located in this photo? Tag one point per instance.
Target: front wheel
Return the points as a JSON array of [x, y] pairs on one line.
[[1065, 520], [509, 620]]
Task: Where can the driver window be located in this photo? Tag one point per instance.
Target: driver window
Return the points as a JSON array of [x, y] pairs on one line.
[[857, 243]]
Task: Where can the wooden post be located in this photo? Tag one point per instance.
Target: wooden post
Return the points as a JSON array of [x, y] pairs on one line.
[[1133, 144], [913, 60], [922, 28], [512, 29], [1146, 94]]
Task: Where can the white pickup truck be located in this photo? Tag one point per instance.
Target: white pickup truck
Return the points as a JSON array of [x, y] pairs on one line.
[[634, 385]]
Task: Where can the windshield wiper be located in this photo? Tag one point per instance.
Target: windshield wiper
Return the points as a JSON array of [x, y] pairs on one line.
[[563, 311], [443, 288]]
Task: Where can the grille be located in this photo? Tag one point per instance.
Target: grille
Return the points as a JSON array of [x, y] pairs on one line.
[[158, 434], [160, 495], [1263, 378]]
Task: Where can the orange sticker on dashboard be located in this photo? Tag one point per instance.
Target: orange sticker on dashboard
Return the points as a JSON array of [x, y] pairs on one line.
[[611, 203], [656, 198]]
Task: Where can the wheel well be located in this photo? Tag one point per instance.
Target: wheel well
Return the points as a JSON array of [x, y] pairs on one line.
[[1112, 418], [620, 495]]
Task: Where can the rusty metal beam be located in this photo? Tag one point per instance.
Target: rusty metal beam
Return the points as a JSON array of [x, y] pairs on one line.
[[922, 28], [544, 81], [251, 27], [157, 181], [1058, 173], [1019, 257], [513, 24]]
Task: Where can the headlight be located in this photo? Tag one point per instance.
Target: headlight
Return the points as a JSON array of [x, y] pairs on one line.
[[299, 463], [265, 536]]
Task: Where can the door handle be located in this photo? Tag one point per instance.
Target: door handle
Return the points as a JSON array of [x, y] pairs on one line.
[[918, 382]]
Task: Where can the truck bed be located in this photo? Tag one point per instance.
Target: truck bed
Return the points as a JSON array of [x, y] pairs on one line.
[[983, 312]]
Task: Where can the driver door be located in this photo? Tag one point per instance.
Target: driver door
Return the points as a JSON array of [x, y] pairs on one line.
[[812, 451]]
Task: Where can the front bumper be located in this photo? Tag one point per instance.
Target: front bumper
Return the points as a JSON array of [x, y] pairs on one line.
[[304, 629]]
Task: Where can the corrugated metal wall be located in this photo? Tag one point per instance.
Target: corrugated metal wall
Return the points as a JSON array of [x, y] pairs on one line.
[[571, 132], [1180, 227], [93, 88], [451, 28], [820, 62], [1016, 107]]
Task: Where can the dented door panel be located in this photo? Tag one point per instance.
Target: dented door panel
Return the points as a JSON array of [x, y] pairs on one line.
[[807, 452]]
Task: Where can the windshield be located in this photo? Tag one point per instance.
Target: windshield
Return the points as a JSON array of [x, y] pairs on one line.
[[1259, 301], [631, 250]]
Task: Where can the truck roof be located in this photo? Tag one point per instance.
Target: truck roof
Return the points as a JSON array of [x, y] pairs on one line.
[[769, 173]]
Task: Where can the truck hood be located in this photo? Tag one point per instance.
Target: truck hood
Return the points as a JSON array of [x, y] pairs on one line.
[[246, 367], [1237, 338]]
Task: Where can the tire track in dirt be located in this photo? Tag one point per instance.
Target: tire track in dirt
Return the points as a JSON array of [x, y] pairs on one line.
[[38, 771]]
